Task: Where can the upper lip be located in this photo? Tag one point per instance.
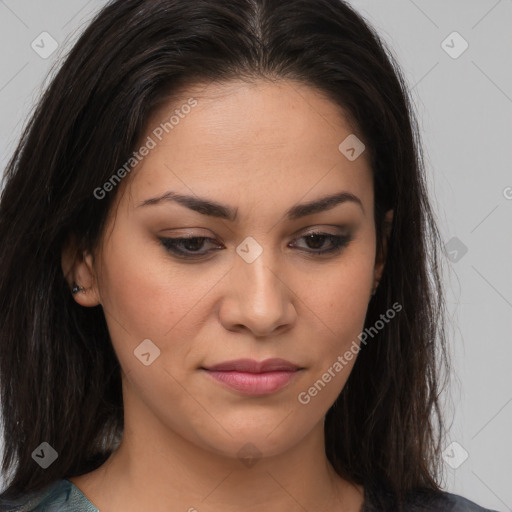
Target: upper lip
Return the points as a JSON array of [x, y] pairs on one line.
[[252, 366]]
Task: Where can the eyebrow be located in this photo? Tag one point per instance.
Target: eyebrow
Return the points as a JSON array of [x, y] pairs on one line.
[[214, 209]]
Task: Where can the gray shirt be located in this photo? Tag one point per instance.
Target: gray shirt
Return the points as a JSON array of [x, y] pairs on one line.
[[64, 496]]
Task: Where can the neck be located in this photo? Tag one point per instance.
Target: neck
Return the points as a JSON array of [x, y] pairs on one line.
[[165, 469]]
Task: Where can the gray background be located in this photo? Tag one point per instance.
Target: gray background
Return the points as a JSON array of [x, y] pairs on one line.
[[465, 110]]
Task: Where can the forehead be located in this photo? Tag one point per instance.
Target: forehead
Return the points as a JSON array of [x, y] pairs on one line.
[[275, 139]]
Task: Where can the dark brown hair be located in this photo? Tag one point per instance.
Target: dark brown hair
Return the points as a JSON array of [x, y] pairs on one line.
[[60, 378]]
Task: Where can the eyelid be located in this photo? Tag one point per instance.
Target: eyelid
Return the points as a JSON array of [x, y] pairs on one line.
[[314, 228], [341, 230]]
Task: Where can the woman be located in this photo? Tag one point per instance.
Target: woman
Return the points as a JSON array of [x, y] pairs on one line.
[[215, 278]]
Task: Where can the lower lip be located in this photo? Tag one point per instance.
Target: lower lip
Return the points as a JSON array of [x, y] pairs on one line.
[[254, 383]]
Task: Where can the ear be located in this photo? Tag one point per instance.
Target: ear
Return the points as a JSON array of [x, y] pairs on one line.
[[78, 268], [380, 258]]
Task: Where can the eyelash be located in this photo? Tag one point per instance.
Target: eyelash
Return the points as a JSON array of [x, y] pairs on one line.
[[339, 243]]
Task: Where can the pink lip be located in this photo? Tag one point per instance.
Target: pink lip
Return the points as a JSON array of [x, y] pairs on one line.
[[252, 377], [254, 383]]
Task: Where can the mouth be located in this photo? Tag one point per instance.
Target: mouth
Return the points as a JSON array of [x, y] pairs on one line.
[[252, 377]]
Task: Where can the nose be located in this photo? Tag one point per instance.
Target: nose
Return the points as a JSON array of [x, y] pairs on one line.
[[258, 298]]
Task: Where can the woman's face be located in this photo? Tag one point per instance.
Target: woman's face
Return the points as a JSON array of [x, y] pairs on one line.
[[254, 286]]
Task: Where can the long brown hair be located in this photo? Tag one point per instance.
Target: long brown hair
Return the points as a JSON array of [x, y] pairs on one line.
[[60, 378]]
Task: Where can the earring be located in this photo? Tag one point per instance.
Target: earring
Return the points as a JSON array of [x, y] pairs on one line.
[[76, 289]]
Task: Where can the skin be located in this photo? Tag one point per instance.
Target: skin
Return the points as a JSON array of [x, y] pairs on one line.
[[260, 148]]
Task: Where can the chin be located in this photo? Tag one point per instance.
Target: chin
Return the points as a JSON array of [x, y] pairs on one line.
[[253, 439]]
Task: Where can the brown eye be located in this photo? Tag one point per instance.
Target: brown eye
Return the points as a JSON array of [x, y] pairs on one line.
[[186, 247], [317, 240], [318, 244]]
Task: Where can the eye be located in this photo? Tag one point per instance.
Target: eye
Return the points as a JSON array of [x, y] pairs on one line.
[[317, 240], [190, 247]]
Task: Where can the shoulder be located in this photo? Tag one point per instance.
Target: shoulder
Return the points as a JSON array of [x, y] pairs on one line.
[[379, 499], [461, 504], [61, 496], [442, 501]]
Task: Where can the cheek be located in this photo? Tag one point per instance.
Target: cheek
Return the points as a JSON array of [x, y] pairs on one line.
[[145, 298], [338, 303], [148, 296], [141, 287], [341, 306], [340, 295]]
